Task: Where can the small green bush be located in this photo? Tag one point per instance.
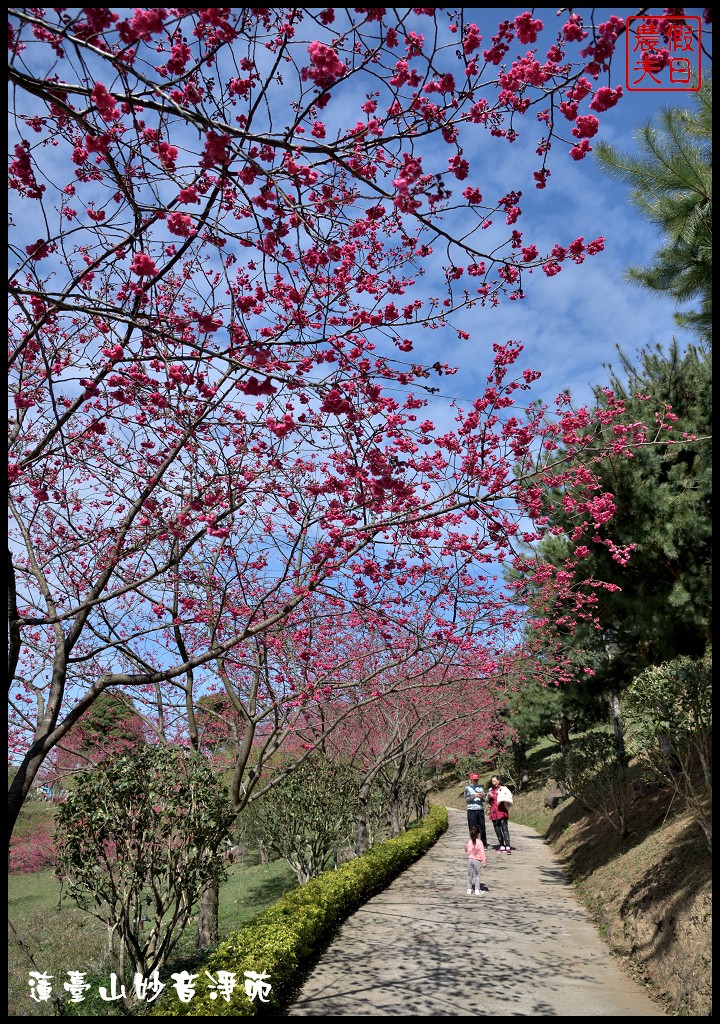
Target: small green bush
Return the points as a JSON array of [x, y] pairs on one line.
[[137, 839], [283, 939], [592, 773], [668, 711]]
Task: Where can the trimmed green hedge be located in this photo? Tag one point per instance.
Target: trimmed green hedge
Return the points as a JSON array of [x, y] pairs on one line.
[[283, 939]]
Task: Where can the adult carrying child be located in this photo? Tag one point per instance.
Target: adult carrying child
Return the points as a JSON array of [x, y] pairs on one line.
[[500, 800]]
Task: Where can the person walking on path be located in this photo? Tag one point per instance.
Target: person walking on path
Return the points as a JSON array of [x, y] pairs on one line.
[[499, 815], [552, 961], [475, 850], [474, 798]]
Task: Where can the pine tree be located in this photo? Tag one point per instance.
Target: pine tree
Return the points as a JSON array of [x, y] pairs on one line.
[[671, 182], [663, 607]]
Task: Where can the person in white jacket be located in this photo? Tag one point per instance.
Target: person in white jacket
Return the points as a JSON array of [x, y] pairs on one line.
[[499, 814]]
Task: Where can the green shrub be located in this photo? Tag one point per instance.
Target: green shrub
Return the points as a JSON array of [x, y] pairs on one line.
[[668, 711], [305, 817], [137, 840], [283, 939], [591, 772]]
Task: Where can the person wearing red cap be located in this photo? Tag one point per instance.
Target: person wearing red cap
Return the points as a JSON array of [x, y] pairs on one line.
[[474, 799]]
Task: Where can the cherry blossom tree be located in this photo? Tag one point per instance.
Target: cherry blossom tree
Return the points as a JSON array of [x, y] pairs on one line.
[[397, 742], [281, 699], [294, 686], [229, 229]]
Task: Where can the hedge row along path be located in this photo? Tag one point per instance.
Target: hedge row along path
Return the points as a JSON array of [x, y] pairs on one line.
[[524, 948]]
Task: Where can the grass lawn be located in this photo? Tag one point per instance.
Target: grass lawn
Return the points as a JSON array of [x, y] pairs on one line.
[[49, 940]]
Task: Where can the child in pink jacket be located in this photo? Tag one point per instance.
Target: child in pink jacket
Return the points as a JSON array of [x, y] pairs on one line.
[[476, 857]]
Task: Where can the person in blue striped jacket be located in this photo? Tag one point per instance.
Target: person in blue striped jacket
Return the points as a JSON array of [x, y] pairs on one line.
[[474, 799]]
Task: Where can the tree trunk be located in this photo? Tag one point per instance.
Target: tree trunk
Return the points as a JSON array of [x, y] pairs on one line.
[[706, 826], [562, 733], [207, 928], [61, 882], [672, 761], [395, 817], [420, 806], [362, 836], [621, 752]]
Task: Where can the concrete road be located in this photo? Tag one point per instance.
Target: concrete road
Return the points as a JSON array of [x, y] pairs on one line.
[[424, 948]]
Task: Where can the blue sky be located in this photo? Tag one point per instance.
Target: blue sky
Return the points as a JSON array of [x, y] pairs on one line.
[[570, 324]]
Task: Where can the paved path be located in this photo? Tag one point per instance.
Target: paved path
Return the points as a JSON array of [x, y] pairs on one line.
[[424, 948]]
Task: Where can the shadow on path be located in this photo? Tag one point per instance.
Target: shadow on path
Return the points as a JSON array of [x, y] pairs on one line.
[[425, 948]]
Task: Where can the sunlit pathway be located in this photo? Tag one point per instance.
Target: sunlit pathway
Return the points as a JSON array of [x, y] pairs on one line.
[[525, 948]]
